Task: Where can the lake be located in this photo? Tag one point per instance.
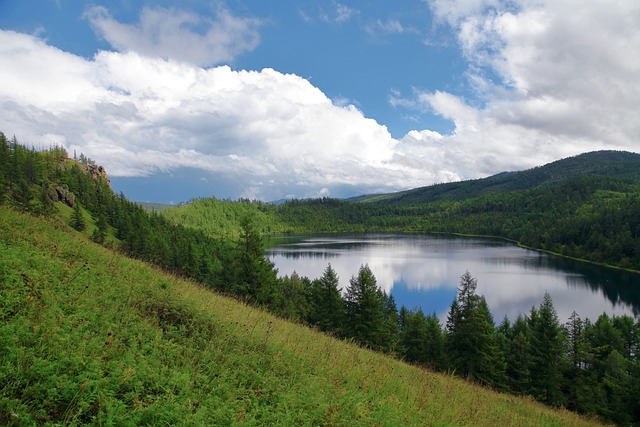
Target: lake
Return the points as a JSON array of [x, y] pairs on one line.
[[424, 271]]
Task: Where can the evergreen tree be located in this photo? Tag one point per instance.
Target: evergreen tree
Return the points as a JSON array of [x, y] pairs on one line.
[[582, 389], [471, 343], [254, 277], [617, 384], [5, 164], [413, 336], [517, 359], [391, 329], [77, 219], [100, 233], [327, 305], [434, 343], [546, 352], [365, 309], [630, 336], [294, 301]]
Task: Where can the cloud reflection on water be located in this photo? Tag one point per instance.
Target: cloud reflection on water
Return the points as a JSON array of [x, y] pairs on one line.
[[425, 271]]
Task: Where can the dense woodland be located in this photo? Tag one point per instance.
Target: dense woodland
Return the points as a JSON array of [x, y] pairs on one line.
[[586, 207], [589, 366]]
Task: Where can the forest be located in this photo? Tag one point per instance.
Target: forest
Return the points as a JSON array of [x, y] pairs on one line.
[[586, 207], [592, 367]]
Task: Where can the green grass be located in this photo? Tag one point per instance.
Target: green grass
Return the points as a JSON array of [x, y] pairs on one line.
[[88, 336]]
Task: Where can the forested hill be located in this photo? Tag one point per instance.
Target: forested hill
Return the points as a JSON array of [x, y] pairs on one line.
[[618, 165], [66, 304], [586, 207]]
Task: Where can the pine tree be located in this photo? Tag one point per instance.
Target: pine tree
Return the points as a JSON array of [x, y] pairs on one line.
[[255, 276], [434, 343], [294, 303], [5, 164], [517, 358], [413, 336], [617, 384], [77, 219], [365, 309], [100, 233], [546, 352], [327, 304], [391, 329], [471, 344]]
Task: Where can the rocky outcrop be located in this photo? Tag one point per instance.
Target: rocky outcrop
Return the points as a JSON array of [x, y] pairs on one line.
[[98, 173], [61, 193]]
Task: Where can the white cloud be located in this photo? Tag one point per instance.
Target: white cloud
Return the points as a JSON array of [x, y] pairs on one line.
[[344, 13], [178, 34], [138, 115], [553, 79], [333, 13], [390, 26]]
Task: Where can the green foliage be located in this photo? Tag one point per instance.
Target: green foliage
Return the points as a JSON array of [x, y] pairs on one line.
[[546, 352], [89, 337], [421, 339], [77, 219], [249, 274], [471, 343], [327, 310], [365, 309], [69, 357]]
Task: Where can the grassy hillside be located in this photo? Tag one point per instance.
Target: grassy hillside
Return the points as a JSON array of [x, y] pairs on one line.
[[88, 336]]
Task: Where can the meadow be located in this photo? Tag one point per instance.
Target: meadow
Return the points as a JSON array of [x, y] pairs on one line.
[[89, 336]]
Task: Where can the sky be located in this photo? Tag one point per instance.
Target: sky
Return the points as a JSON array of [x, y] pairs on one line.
[[318, 98]]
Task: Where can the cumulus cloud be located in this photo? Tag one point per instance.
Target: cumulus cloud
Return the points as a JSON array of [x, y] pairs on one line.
[[139, 115], [178, 34], [549, 79]]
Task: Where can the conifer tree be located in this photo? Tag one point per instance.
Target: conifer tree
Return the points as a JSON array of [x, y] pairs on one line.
[[327, 304], [365, 309], [546, 352], [77, 219], [255, 276], [517, 358], [389, 338], [471, 344], [413, 336], [434, 343], [100, 233]]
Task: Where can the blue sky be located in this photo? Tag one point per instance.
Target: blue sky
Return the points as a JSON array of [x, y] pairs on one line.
[[284, 99]]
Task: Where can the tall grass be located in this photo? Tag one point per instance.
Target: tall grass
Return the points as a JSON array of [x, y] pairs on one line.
[[88, 336]]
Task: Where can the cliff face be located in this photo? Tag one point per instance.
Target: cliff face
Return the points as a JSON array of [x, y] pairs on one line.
[[98, 173], [60, 192]]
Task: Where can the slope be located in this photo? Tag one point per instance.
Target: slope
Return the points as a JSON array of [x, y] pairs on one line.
[[617, 165], [88, 336]]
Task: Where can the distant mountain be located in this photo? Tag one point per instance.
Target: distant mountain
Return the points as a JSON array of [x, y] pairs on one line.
[[619, 165]]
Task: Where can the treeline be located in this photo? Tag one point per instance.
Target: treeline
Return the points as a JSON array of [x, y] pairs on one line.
[[592, 368], [589, 367], [592, 218]]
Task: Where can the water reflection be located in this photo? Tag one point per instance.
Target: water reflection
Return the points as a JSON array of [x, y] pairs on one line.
[[425, 271]]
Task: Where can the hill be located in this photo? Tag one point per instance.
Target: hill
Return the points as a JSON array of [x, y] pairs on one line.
[[70, 193], [618, 165], [89, 336], [585, 207]]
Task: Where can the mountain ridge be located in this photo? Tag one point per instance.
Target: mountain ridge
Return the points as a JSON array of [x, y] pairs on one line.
[[622, 165]]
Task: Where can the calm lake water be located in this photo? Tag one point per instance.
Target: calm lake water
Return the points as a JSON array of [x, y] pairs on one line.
[[424, 271]]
